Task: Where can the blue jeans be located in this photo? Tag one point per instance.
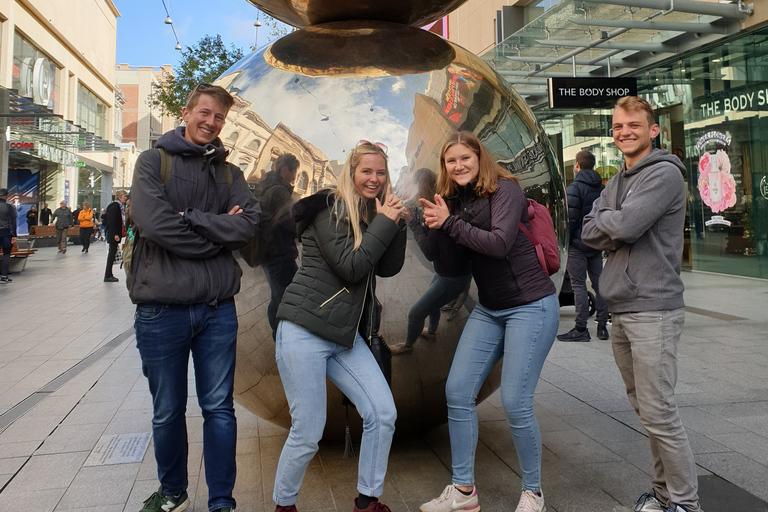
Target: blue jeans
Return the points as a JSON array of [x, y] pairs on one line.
[[523, 336], [645, 349], [304, 361], [579, 264], [165, 336], [440, 292], [279, 273]]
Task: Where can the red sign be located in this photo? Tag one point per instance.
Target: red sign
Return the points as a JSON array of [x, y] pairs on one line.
[[20, 144]]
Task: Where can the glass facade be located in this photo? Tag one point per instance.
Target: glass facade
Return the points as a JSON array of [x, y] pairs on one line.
[[712, 109], [91, 112]]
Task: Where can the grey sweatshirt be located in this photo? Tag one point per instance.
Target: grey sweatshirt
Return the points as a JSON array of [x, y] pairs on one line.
[[643, 236]]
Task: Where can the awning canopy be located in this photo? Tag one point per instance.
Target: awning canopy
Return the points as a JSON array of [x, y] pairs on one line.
[[36, 123], [607, 39]]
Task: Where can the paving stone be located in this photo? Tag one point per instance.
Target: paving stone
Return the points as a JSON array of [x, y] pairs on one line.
[[43, 472]]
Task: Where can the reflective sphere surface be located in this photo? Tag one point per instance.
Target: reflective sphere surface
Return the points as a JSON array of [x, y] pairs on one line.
[[319, 114], [301, 13]]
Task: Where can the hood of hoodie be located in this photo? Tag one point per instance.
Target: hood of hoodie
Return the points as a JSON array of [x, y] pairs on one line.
[[175, 143], [652, 158], [589, 177]]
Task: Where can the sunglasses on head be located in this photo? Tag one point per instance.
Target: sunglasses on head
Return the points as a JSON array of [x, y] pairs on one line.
[[381, 146]]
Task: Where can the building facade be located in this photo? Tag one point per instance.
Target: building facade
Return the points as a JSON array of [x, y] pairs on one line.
[[57, 95], [702, 65], [142, 123]]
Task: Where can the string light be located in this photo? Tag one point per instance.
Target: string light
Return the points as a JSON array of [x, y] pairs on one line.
[[168, 21]]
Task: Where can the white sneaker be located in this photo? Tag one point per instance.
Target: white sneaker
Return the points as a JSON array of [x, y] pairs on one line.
[[648, 502], [531, 502], [451, 500]]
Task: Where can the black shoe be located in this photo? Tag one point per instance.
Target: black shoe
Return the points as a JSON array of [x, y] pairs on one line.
[[575, 335], [112, 279], [82, 250], [602, 332], [5, 279]]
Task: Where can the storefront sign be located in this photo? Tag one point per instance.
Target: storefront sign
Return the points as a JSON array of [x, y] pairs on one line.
[[589, 92], [591, 126], [21, 145], [717, 220], [764, 187], [58, 155]]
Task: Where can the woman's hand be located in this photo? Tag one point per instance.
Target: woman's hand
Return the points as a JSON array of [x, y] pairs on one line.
[[434, 213], [392, 207]]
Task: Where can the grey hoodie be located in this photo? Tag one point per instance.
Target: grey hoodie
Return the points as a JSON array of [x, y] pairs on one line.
[[643, 237]]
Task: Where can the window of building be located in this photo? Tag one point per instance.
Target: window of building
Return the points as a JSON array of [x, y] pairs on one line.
[[91, 112], [303, 181], [33, 74]]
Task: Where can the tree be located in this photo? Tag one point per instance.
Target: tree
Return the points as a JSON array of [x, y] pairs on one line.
[[204, 62]]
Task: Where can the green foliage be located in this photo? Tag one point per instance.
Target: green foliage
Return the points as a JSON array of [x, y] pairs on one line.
[[204, 62]]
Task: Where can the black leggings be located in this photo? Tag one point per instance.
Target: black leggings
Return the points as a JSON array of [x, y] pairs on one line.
[[111, 257], [85, 237]]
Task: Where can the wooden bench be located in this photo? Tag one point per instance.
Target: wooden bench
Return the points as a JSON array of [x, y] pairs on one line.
[[18, 258], [46, 235]]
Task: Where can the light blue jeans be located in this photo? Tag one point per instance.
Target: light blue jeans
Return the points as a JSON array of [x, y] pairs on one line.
[[304, 361], [523, 336]]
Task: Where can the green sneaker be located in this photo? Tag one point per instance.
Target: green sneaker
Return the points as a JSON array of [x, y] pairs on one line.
[[159, 503]]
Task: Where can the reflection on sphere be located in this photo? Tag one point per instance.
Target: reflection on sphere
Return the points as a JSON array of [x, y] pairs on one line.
[[318, 115]]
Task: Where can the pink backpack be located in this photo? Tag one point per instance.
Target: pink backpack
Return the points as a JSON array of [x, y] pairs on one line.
[[542, 236]]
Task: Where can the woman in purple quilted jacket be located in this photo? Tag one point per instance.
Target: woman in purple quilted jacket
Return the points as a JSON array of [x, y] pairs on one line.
[[481, 206]]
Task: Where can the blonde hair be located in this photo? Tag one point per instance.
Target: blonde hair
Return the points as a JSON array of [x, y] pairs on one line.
[[637, 104], [489, 172], [349, 203]]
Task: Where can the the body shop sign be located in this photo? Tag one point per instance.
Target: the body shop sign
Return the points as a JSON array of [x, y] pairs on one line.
[[589, 92]]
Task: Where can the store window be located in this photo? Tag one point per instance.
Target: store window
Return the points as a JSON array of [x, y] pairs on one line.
[[33, 74], [91, 112]]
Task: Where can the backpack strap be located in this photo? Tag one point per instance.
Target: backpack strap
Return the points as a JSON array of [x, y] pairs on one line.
[[166, 164]]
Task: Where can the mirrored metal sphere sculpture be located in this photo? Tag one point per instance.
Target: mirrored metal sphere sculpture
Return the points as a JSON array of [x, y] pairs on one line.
[[315, 93]]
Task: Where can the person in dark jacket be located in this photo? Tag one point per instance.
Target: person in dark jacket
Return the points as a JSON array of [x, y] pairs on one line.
[[452, 274], [183, 280], [115, 221], [31, 218], [349, 235], [582, 192], [62, 219], [481, 206], [45, 215], [278, 230], [7, 233]]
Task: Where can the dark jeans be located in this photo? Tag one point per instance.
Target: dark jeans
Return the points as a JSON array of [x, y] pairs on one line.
[[579, 264], [111, 257], [440, 292], [7, 245], [279, 273], [85, 237], [165, 336]]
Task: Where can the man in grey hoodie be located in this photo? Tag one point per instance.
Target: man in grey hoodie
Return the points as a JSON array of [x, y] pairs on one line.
[[639, 220]]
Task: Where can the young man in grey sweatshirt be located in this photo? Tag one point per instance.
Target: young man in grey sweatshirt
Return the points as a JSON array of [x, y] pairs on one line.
[[638, 220]]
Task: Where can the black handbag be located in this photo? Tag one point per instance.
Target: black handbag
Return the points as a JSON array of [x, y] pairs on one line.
[[382, 354]]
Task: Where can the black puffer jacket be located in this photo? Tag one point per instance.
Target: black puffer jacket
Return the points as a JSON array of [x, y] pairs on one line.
[[335, 283], [504, 262], [582, 192]]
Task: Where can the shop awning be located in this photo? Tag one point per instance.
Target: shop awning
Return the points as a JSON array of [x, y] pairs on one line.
[[35, 123], [607, 39]]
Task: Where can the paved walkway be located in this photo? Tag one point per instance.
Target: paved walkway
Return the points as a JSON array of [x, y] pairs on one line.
[[70, 375]]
